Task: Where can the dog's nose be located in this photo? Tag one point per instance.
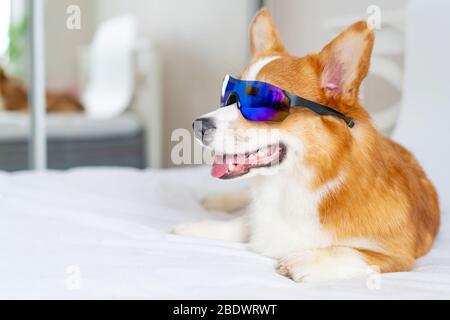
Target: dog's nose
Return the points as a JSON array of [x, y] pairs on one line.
[[204, 129]]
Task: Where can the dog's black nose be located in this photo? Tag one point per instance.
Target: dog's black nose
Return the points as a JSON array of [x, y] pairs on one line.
[[204, 129]]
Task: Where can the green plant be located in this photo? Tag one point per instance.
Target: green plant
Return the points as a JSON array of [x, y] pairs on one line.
[[17, 47]]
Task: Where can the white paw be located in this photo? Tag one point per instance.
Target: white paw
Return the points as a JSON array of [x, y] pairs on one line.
[[320, 265], [225, 202], [299, 267], [195, 229], [210, 229], [229, 230]]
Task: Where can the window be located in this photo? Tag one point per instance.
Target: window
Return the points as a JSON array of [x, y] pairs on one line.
[[5, 15]]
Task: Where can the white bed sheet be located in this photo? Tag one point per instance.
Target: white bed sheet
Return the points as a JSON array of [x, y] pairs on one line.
[[112, 226]]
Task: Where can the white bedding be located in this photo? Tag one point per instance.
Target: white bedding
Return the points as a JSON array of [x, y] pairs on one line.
[[112, 226]]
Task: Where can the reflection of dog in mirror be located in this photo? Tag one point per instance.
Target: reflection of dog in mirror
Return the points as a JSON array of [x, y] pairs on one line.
[[340, 200], [13, 97]]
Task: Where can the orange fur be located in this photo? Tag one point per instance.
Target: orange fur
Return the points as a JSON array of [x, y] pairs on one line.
[[13, 97], [385, 196]]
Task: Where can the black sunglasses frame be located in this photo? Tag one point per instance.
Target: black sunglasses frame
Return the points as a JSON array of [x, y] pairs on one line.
[[299, 102]]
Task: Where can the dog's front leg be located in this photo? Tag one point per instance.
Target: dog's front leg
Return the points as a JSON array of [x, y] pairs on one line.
[[227, 201], [230, 230], [324, 264]]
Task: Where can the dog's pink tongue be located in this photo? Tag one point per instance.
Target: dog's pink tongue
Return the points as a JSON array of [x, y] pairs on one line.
[[219, 167]]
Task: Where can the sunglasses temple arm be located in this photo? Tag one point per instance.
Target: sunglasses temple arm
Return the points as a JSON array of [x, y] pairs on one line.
[[297, 101]]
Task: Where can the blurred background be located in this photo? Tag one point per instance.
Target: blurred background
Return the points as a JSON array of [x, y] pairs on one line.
[[122, 75]]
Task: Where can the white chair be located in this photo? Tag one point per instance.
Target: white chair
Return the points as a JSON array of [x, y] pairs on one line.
[[123, 72], [111, 75]]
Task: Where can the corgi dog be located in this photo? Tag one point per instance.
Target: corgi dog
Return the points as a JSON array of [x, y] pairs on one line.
[[14, 97], [328, 201]]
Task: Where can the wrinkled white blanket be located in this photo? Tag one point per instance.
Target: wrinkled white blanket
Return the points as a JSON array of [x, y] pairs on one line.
[[103, 233]]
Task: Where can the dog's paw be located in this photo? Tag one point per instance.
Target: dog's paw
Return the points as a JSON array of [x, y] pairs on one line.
[[185, 229], [204, 229], [225, 202], [297, 266], [325, 264]]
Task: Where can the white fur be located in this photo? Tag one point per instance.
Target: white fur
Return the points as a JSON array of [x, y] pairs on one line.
[[256, 67], [284, 223], [282, 220], [284, 214], [230, 140], [360, 243], [224, 116], [229, 202], [324, 264]]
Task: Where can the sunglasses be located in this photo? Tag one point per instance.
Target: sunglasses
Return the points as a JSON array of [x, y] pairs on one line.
[[261, 101]]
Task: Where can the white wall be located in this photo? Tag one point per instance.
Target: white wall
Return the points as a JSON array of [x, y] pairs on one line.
[[62, 43], [301, 24], [200, 41]]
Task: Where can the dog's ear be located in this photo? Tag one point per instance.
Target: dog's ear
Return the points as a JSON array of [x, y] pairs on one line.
[[264, 38], [345, 61]]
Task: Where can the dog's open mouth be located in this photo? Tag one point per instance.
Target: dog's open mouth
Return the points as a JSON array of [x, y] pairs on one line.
[[228, 166]]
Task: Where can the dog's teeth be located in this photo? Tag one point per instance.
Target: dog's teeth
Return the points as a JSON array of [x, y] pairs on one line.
[[231, 166]]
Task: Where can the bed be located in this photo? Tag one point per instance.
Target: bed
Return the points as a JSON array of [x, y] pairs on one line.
[[104, 232]]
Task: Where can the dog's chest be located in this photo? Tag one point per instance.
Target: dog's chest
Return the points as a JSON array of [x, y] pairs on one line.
[[284, 218]]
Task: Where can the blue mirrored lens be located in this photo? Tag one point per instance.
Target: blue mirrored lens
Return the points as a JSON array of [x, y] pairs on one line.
[[259, 101], [263, 114]]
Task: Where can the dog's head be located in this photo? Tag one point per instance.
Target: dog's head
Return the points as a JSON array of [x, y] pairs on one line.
[[331, 77]]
